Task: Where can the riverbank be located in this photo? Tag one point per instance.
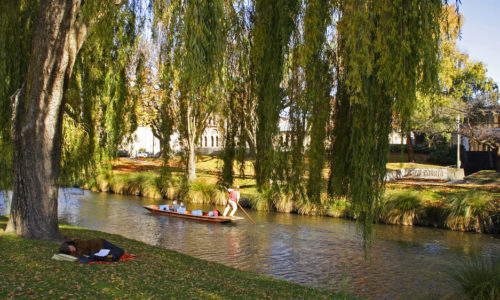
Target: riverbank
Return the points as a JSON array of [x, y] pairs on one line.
[[472, 205], [29, 272]]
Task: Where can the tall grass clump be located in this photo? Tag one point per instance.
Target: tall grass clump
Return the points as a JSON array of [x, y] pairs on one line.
[[471, 211], [151, 186], [402, 208], [102, 182], [284, 202], [338, 207], [170, 187], [197, 191], [309, 208], [263, 201], [144, 184], [477, 278]]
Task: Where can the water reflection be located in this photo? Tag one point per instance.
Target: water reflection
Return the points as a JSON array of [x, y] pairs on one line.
[[5, 200], [316, 251]]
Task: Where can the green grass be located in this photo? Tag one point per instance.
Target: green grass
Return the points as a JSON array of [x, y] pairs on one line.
[[477, 278], [29, 272]]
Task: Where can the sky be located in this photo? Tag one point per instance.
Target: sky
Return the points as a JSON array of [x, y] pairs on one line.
[[481, 33]]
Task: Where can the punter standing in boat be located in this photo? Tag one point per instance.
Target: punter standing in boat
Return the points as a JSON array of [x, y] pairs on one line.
[[234, 197]]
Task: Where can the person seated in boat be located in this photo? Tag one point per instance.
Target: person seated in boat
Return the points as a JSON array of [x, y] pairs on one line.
[[93, 249], [175, 206], [234, 197], [181, 205]]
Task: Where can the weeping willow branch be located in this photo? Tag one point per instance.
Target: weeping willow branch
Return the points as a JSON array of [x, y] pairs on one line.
[[388, 51], [274, 22], [318, 89]]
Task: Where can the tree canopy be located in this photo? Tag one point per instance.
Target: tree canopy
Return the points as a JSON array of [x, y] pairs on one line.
[[339, 70]]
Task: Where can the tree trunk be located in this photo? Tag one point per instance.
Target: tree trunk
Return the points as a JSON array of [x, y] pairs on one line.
[[37, 120], [409, 147], [191, 161], [497, 152], [191, 134]]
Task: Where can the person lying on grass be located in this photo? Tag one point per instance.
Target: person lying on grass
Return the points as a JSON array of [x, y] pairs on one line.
[[92, 250]]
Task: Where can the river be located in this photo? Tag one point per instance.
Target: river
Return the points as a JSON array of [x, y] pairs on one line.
[[317, 251]]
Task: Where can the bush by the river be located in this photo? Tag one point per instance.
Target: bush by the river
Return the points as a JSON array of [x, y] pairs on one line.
[[477, 278], [401, 207], [201, 192], [471, 211]]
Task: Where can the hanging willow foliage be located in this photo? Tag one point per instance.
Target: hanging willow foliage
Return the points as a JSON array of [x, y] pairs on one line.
[[318, 87], [100, 109], [299, 109], [16, 26], [274, 23], [237, 92], [388, 50]]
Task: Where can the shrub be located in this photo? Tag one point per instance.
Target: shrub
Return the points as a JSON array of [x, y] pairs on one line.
[[477, 278], [284, 202], [444, 154], [198, 191], [471, 211], [102, 182], [403, 208], [397, 148], [263, 200], [139, 184], [338, 208], [420, 148]]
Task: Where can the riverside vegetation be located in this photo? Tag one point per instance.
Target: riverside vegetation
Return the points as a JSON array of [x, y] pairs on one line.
[[463, 208]]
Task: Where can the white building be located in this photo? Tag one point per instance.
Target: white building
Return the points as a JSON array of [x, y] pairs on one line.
[[396, 138], [211, 141], [142, 140]]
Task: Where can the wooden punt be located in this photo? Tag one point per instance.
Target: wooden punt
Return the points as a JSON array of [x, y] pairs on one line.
[[220, 219]]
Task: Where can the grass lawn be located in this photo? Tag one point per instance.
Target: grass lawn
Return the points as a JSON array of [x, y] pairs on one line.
[[29, 272]]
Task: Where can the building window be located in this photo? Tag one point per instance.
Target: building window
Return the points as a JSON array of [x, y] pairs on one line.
[[212, 141], [205, 141], [216, 141]]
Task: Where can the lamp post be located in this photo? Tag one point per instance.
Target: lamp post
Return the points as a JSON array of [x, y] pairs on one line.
[[458, 142]]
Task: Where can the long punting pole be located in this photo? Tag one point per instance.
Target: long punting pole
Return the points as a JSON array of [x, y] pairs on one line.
[[246, 213]]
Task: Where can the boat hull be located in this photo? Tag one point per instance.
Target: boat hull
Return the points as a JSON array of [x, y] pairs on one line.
[[219, 219]]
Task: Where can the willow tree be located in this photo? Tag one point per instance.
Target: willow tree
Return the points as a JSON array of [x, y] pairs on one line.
[[238, 105], [60, 31], [273, 25], [167, 35], [318, 88], [198, 33], [388, 51], [299, 110]]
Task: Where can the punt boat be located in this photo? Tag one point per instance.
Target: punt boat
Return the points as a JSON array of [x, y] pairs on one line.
[[215, 219]]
